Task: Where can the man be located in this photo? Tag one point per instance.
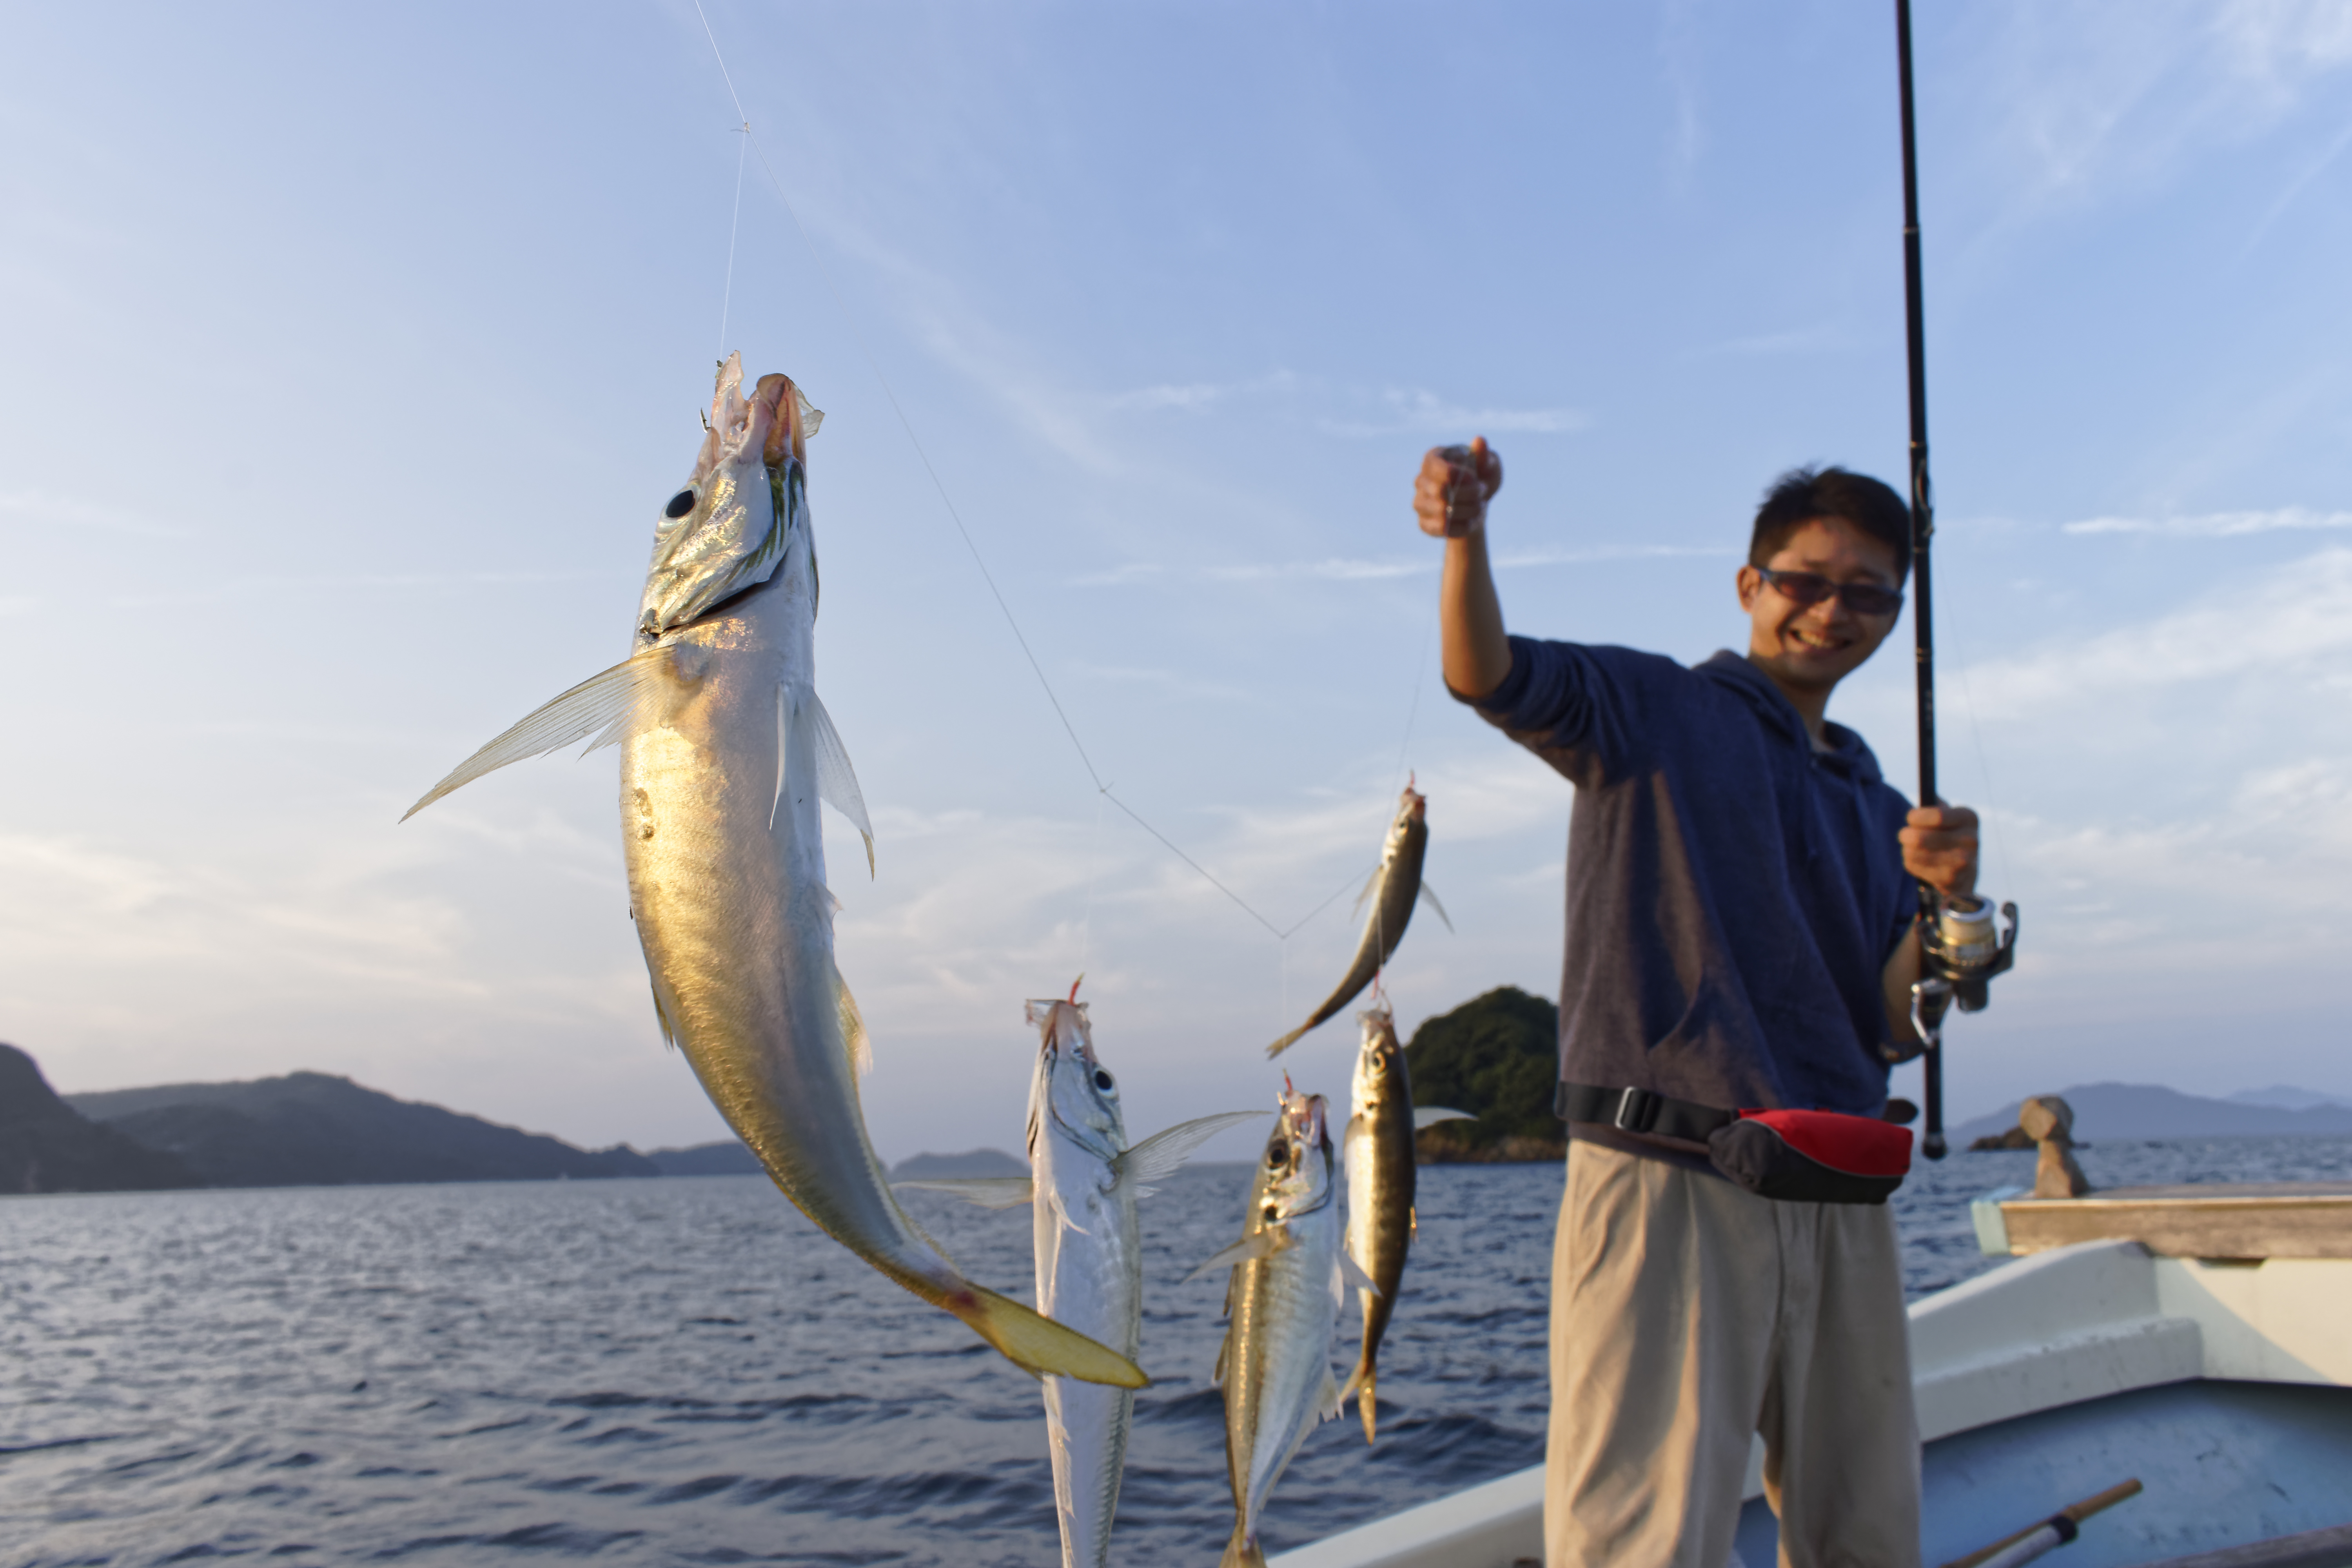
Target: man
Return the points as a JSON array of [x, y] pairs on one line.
[[1741, 888]]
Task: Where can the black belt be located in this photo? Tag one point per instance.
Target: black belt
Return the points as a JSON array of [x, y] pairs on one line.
[[1640, 1110]]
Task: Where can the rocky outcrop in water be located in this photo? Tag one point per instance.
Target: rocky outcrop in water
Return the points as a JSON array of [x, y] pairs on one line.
[[46, 1146], [1497, 1057], [309, 1129]]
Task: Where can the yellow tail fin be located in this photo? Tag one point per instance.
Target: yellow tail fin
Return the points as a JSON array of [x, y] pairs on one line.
[[1361, 1383], [1241, 1551], [1038, 1345]]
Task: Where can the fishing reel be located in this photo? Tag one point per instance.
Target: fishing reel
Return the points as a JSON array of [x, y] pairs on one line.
[[1960, 952]]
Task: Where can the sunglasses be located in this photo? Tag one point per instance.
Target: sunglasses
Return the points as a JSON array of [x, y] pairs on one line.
[[1812, 588]]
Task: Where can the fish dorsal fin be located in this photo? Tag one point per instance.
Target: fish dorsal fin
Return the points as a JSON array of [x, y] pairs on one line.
[[608, 705], [1257, 1243], [1217, 1372], [1431, 1115], [837, 780], [987, 1192], [1162, 1154], [1428, 895], [853, 1026]]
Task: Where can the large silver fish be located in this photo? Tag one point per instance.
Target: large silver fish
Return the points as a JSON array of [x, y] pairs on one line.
[[725, 753], [1289, 1277], [1378, 1154], [1082, 1185], [1393, 890]]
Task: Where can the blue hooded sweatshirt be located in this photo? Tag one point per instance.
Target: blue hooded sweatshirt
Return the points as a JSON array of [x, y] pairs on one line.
[[1733, 895]]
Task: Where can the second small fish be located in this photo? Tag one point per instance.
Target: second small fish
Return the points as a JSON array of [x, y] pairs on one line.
[[1393, 892], [1289, 1275]]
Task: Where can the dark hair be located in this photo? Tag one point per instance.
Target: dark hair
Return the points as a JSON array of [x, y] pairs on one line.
[[1802, 495]]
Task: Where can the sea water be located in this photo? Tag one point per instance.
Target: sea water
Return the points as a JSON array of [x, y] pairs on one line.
[[683, 1371]]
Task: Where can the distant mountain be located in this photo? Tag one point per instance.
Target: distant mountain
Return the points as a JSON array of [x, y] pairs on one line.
[[950, 1167], [2285, 1097], [2132, 1111], [728, 1159], [1497, 1057], [309, 1129], [46, 1147]]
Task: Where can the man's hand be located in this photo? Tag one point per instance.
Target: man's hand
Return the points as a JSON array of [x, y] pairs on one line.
[[1455, 484], [1939, 848]]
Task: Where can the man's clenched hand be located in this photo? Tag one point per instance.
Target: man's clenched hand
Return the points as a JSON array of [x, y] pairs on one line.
[[1939, 848], [1455, 483]]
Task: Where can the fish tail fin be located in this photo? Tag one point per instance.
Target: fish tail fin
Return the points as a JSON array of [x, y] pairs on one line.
[[1287, 1041], [1040, 1346], [1241, 1551]]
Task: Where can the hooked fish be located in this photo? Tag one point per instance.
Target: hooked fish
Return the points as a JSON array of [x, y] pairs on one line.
[[725, 754], [1394, 888], [1289, 1275], [1378, 1154], [1082, 1185]]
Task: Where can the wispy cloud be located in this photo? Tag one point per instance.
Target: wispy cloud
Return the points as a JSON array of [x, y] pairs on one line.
[[1416, 411], [1365, 569], [2293, 623], [39, 507], [1351, 410], [2216, 524]]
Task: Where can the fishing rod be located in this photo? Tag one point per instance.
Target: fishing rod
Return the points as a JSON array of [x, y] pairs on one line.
[[1959, 951]]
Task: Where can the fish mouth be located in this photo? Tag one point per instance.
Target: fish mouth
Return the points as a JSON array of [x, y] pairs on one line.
[[1416, 804]]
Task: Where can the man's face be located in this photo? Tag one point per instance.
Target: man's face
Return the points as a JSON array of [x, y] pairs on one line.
[[1811, 647]]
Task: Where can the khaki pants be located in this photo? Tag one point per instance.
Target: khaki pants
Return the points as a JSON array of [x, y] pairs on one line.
[[1688, 1314]]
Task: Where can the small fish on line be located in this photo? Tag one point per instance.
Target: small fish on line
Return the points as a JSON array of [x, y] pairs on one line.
[[1290, 1275], [1377, 1154], [725, 754], [1082, 1189], [1394, 888]]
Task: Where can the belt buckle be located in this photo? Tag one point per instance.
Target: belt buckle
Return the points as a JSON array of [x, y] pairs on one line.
[[1637, 1111]]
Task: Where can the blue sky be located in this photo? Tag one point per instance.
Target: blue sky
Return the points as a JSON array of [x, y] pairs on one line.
[[352, 352]]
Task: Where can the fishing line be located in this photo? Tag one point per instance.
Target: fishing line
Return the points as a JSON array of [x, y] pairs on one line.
[[1991, 817], [849, 320], [734, 227]]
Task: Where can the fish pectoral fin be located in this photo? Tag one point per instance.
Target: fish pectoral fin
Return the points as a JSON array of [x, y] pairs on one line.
[[1431, 1115], [1428, 895], [1372, 885], [607, 706], [853, 1026], [1352, 1273], [1328, 1399], [837, 780], [1062, 1213], [987, 1192], [1162, 1154], [1257, 1243]]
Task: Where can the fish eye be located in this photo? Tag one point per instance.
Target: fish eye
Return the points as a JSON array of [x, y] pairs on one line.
[[680, 505], [1103, 1080]]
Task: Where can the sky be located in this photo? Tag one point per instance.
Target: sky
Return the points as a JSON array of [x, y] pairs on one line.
[[352, 352]]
